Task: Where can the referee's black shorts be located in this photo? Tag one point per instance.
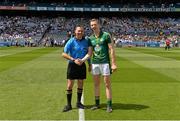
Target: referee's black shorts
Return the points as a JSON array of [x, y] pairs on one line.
[[75, 71]]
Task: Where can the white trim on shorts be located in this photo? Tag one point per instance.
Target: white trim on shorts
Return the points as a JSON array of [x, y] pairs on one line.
[[102, 69]]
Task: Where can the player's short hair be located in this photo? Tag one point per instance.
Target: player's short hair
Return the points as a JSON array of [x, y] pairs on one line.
[[94, 19]]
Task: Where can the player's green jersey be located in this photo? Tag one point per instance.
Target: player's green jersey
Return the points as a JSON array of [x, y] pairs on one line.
[[100, 48]]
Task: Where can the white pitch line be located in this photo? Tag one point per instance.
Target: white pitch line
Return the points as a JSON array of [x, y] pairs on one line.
[[81, 111]]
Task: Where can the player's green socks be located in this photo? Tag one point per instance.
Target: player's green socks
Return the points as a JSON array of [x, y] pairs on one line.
[[69, 97], [109, 103], [97, 100]]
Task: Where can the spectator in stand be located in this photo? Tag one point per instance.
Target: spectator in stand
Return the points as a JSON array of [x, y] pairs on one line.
[[168, 42]]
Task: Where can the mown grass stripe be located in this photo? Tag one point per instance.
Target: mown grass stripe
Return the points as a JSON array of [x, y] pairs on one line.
[[6, 48], [11, 61], [39, 70], [16, 50], [173, 53], [165, 66], [36, 90], [130, 72]]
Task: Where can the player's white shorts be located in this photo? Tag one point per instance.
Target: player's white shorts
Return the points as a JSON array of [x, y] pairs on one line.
[[102, 69]]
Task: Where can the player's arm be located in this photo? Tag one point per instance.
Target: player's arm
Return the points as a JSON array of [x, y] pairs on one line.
[[112, 54], [90, 51]]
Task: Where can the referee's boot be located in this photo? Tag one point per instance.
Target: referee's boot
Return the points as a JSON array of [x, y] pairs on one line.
[[67, 108], [80, 105]]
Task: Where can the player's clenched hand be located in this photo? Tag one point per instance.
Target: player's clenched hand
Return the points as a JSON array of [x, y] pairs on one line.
[[114, 67]]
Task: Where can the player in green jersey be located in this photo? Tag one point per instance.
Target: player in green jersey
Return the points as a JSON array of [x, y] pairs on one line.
[[102, 50]]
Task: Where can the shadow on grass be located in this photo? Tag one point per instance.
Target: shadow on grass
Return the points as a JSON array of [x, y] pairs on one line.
[[120, 106]]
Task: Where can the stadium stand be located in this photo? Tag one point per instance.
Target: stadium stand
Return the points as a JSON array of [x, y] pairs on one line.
[[28, 29]]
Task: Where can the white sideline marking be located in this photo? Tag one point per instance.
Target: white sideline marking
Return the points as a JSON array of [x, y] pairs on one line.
[[81, 111]]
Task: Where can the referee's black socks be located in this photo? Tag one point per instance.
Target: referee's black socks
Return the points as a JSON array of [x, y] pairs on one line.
[[69, 97], [79, 95]]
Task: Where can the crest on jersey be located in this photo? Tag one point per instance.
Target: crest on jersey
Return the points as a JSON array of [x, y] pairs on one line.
[[101, 39]]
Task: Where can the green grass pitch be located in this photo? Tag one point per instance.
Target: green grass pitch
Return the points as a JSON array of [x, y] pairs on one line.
[[145, 87]]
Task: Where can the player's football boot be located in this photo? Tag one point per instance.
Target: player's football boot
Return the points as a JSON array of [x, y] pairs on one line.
[[95, 107], [109, 109]]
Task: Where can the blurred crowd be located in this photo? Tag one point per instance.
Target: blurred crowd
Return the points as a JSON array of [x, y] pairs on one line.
[[43, 30], [88, 3]]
